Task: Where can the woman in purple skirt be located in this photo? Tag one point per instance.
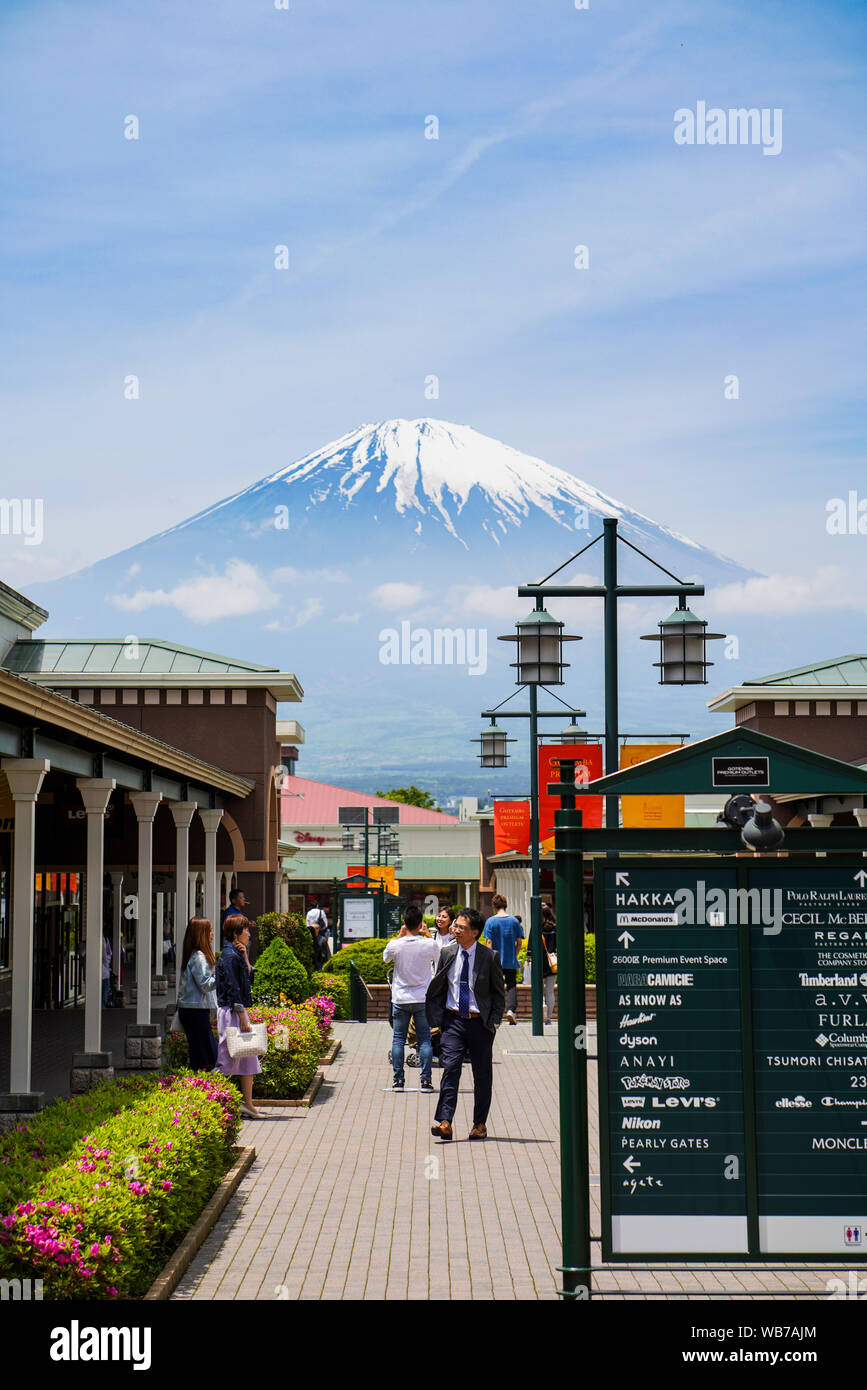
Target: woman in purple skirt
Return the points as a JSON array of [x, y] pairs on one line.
[[234, 997]]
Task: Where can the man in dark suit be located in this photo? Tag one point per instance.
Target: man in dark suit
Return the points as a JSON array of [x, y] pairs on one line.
[[466, 999]]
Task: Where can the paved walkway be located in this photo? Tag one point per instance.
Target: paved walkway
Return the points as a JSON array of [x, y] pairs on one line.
[[355, 1199]]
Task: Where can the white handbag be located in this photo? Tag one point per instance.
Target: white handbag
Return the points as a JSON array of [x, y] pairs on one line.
[[252, 1044]]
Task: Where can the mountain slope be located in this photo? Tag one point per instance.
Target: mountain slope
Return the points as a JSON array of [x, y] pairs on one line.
[[406, 527]]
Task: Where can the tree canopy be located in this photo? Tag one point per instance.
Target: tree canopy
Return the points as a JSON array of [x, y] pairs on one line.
[[411, 796]]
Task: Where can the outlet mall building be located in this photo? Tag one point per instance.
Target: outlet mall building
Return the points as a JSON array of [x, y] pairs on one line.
[[144, 768]]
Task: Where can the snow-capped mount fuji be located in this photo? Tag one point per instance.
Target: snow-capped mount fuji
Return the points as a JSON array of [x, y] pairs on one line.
[[431, 471], [403, 527]]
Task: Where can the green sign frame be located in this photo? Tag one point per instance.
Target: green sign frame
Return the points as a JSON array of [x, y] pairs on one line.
[[746, 873]]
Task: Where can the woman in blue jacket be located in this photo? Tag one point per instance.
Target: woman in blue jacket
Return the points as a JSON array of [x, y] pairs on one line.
[[234, 998], [196, 993]]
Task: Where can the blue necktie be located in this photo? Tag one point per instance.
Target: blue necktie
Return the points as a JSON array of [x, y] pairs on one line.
[[464, 988]]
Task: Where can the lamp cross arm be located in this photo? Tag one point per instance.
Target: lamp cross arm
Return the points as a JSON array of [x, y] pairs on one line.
[[619, 591]]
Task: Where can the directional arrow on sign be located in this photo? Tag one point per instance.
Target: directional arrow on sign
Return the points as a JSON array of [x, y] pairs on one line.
[[860, 877], [621, 880], [630, 1163], [626, 939]]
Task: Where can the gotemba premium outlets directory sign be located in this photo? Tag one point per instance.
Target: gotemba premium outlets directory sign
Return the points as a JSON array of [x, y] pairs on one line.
[[671, 1063], [733, 1059], [809, 983]]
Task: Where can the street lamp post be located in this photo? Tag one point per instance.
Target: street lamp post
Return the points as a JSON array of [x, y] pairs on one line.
[[493, 746], [685, 626]]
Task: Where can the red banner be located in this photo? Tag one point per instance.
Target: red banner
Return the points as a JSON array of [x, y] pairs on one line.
[[588, 766], [511, 826]]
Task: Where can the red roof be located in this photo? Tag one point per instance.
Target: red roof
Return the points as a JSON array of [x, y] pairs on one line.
[[321, 801]]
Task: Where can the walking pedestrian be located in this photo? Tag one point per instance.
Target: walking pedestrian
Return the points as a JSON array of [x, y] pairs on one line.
[[317, 921], [196, 997], [504, 932], [549, 959], [234, 997], [414, 953], [465, 999]]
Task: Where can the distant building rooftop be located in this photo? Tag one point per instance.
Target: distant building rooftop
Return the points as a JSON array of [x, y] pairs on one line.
[[304, 802], [148, 661], [842, 675]]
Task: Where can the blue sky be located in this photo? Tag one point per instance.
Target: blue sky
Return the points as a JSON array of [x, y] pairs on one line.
[[454, 257]]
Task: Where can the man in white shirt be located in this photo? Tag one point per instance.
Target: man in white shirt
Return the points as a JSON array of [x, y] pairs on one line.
[[414, 954]]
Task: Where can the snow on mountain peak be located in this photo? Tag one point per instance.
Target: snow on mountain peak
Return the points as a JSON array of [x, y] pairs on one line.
[[431, 470]]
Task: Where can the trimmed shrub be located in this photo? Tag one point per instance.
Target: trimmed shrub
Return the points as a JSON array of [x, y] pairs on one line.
[[336, 987], [279, 972], [367, 956], [95, 1192], [289, 1064], [291, 928], [294, 1045]]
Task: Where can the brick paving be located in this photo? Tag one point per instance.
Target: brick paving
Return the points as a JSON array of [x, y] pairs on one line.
[[355, 1199]]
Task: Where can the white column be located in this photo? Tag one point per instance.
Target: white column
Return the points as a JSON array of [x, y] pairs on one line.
[[159, 925], [193, 882], [861, 817], [467, 894], [211, 821], [145, 806], [117, 923], [25, 777], [95, 792]]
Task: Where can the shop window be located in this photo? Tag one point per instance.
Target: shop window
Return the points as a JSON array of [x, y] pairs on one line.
[[802, 707], [217, 697], [844, 707]]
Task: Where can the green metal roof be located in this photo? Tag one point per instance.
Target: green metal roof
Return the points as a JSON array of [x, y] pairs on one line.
[[691, 770], [108, 656], [322, 865], [842, 670]]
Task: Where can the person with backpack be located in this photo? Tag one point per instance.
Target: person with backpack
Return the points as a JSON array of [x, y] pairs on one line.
[[318, 924]]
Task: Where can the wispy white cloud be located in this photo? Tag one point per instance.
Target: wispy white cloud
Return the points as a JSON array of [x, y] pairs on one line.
[[397, 595], [207, 597], [829, 588]]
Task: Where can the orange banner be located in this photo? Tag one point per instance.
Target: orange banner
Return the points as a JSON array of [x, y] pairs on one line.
[[588, 766], [376, 873], [511, 826], [649, 812]]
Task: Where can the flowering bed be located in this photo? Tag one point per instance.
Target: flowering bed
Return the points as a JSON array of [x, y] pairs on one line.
[[297, 1035], [96, 1191]]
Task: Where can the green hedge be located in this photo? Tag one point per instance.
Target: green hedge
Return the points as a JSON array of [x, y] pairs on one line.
[[367, 956], [336, 987], [295, 1036], [291, 928], [280, 976], [95, 1192]]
